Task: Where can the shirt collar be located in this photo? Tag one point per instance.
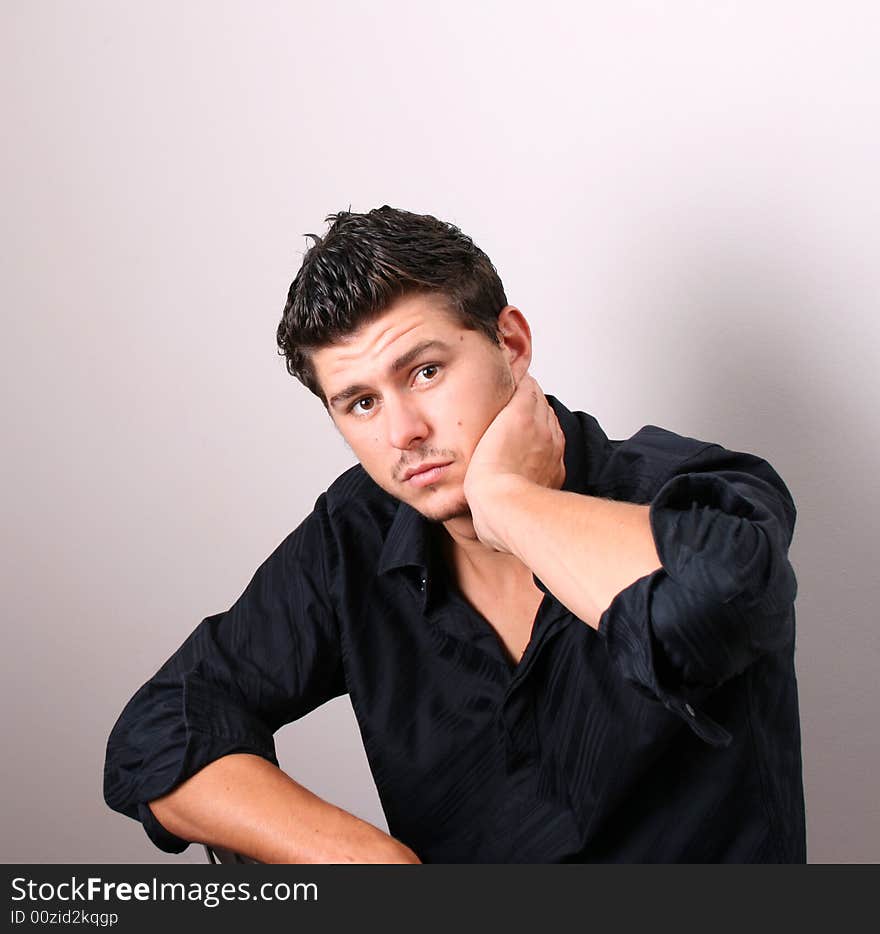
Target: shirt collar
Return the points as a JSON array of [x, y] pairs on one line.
[[575, 455], [406, 544], [408, 541]]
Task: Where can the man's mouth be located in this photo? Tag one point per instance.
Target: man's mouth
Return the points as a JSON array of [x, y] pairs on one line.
[[425, 474]]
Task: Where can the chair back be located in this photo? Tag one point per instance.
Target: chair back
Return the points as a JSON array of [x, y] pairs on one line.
[[216, 854]]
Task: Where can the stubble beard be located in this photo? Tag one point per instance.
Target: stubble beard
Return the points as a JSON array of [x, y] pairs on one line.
[[459, 510]]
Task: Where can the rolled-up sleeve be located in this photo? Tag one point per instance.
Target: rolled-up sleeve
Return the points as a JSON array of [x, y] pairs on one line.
[[241, 675], [722, 526]]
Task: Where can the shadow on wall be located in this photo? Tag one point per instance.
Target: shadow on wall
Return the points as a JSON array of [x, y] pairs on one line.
[[779, 359]]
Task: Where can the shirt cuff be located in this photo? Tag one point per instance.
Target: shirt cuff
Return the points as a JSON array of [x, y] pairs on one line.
[[626, 628], [214, 728]]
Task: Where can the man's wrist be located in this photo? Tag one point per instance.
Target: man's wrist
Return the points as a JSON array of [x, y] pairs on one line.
[[492, 501], [495, 491]]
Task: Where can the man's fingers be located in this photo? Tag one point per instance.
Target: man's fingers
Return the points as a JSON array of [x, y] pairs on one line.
[[528, 384]]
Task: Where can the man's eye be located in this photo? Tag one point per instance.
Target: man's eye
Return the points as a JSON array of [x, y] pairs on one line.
[[429, 372], [363, 405]]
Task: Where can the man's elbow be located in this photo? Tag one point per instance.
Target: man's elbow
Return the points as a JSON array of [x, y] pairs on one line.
[[726, 559]]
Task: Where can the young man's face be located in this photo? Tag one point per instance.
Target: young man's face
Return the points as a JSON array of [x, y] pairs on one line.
[[412, 393]]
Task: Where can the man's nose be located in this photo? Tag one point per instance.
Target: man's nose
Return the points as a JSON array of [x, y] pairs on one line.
[[406, 423]]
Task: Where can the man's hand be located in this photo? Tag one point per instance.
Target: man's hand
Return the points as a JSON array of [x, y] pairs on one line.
[[524, 442]]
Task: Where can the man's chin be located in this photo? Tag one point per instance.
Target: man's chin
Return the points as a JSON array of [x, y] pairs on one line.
[[440, 512], [436, 505]]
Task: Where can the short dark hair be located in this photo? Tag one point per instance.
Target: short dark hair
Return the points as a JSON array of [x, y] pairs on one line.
[[367, 261]]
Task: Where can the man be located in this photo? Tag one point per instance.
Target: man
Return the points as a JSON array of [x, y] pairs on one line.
[[558, 647]]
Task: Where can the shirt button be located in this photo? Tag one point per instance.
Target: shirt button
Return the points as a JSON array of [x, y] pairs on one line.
[[689, 709], [422, 584]]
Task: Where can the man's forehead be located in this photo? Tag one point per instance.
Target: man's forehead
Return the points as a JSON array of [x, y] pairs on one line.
[[381, 342], [430, 310]]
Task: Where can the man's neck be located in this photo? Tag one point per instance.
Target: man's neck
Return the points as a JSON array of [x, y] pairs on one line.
[[467, 555]]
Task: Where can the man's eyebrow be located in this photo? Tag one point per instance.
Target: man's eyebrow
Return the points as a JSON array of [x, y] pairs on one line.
[[346, 394], [400, 363], [404, 360]]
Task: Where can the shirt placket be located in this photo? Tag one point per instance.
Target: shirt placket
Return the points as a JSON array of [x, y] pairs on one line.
[[518, 717]]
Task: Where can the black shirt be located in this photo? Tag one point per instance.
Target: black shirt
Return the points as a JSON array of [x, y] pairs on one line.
[[670, 734]]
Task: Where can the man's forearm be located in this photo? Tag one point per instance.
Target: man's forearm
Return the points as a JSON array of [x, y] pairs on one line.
[[246, 804], [585, 550]]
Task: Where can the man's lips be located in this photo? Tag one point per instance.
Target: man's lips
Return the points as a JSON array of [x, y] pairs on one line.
[[425, 473]]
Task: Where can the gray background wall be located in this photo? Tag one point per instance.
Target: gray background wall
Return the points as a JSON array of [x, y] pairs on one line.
[[682, 197]]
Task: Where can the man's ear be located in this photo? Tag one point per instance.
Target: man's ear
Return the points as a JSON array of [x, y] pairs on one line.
[[516, 340]]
